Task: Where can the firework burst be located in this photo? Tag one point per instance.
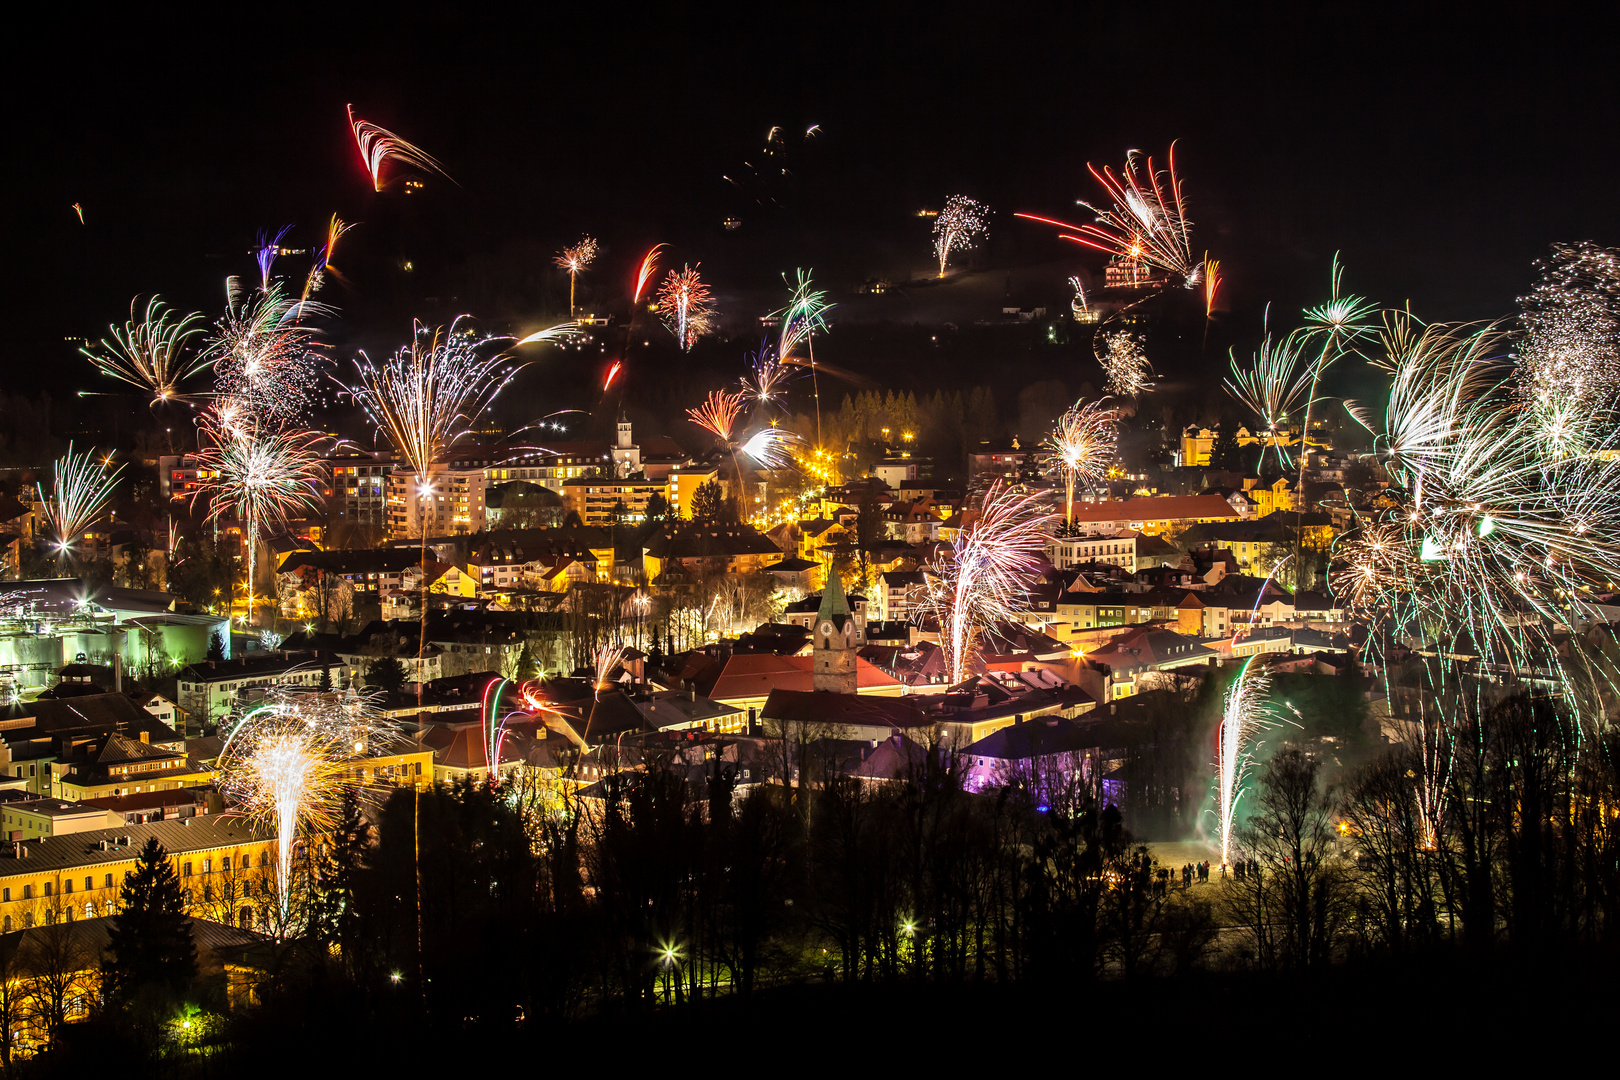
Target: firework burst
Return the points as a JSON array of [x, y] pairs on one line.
[[576, 260], [285, 764], [1273, 386], [426, 396], [1081, 447], [983, 578], [262, 354], [260, 474], [1569, 366], [766, 383], [683, 302], [146, 352], [80, 495], [1124, 363], [959, 227], [269, 246], [718, 414], [378, 145]]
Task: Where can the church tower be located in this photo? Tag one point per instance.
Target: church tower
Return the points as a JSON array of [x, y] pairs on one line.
[[833, 639], [626, 454]]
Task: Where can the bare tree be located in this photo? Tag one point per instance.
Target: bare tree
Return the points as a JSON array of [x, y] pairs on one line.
[[1294, 896]]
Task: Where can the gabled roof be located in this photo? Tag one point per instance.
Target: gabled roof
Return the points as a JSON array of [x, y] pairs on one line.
[[119, 750], [1039, 737], [1156, 508], [825, 707], [758, 674], [1149, 648]]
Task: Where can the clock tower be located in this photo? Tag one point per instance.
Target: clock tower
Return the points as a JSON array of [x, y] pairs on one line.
[[833, 638]]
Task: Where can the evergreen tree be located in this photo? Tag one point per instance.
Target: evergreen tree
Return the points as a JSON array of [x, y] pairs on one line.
[[527, 666], [216, 645], [708, 504], [387, 673], [657, 507], [337, 916], [150, 940]]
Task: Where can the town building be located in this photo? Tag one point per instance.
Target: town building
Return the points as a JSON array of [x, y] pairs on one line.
[[448, 501]]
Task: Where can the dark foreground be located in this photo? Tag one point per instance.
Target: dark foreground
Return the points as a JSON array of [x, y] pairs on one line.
[[1444, 1011]]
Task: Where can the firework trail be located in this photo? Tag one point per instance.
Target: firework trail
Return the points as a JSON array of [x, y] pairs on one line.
[[1079, 306], [262, 355], [285, 764], [1273, 386], [81, 494], [1125, 364], [77, 209], [1245, 715], [613, 373], [265, 254], [983, 578], [495, 726], [1146, 222], [1212, 285], [378, 145], [959, 226], [1081, 447], [552, 334], [146, 351], [321, 264], [260, 474], [425, 398], [649, 267], [683, 301], [576, 260]]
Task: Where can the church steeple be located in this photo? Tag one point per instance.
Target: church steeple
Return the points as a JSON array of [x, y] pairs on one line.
[[833, 604], [833, 641]]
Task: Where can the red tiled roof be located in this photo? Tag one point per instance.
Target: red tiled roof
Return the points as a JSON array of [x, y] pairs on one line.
[[1156, 508], [757, 674]]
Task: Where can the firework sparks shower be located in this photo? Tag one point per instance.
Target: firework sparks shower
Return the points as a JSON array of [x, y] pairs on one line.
[[983, 578]]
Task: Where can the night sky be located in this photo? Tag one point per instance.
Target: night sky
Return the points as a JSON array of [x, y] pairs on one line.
[[1439, 157]]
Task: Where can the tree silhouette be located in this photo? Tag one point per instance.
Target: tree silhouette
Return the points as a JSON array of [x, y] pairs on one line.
[[150, 940]]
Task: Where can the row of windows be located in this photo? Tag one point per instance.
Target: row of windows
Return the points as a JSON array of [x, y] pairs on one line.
[[67, 887]]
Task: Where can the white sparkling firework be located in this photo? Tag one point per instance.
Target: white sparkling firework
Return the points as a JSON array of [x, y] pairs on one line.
[[285, 764], [1569, 365], [1245, 715], [426, 396], [80, 496], [771, 447], [263, 355], [260, 474], [959, 227], [983, 578], [1124, 363], [1081, 447]]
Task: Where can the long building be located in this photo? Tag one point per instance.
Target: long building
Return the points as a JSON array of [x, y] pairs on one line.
[[1154, 515], [78, 876]]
